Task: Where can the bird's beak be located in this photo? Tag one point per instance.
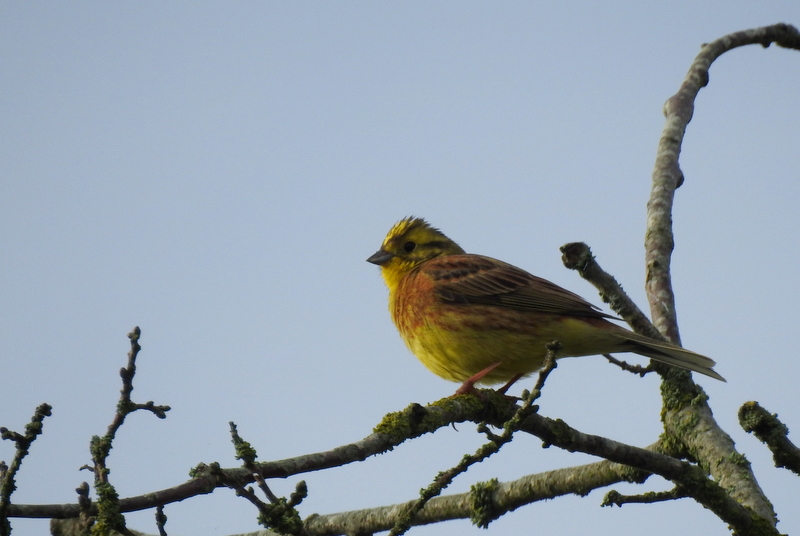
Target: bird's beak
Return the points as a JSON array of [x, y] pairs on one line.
[[380, 257]]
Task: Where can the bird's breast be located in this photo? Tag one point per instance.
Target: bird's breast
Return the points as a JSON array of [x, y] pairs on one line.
[[412, 304]]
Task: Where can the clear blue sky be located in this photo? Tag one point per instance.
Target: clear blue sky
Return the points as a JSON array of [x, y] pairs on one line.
[[217, 173]]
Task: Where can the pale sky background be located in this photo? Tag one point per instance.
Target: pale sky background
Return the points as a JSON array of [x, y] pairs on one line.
[[217, 173]]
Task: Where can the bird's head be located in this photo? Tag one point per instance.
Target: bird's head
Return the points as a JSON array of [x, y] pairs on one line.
[[409, 243]]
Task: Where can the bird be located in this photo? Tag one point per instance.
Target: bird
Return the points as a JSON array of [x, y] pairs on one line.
[[478, 320]]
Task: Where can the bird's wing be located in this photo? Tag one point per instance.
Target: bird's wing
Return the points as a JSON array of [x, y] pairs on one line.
[[474, 279]]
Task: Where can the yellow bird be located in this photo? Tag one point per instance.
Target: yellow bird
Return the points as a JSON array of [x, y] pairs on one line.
[[474, 319]]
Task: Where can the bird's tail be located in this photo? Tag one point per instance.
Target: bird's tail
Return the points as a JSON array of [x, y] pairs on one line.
[[671, 355]]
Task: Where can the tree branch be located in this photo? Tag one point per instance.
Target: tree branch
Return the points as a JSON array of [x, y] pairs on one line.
[[614, 498], [667, 175], [417, 420], [578, 256], [772, 432], [395, 428], [690, 428], [502, 498], [506, 497], [22, 444], [687, 416]]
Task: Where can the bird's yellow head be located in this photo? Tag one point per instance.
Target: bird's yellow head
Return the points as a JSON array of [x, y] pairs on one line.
[[409, 243]]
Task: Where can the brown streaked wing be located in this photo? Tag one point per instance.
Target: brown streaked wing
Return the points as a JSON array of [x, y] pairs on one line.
[[474, 279]]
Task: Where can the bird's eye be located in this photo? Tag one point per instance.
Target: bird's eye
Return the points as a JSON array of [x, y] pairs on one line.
[[409, 246]]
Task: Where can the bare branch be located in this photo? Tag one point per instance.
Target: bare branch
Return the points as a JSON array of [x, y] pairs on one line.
[[22, 444], [667, 175], [109, 515], [161, 521], [614, 498], [578, 256], [690, 477], [624, 365], [505, 498]]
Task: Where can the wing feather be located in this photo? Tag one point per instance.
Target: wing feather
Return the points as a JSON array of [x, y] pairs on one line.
[[474, 279]]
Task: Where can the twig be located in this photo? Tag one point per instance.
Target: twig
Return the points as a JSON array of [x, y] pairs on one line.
[[578, 256], [614, 498], [161, 520], [279, 514], [624, 365], [22, 444], [246, 453], [496, 442], [109, 514]]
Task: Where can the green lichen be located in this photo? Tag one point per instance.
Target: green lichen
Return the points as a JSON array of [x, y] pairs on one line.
[[738, 459], [676, 395], [612, 498], [683, 424], [484, 508], [199, 470], [203, 470], [245, 451], [671, 446], [562, 432], [396, 425], [109, 517], [413, 421], [99, 447], [416, 420], [761, 526], [699, 400], [125, 407], [281, 517]]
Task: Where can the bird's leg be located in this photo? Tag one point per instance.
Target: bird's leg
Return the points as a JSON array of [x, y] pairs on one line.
[[468, 387], [511, 382]]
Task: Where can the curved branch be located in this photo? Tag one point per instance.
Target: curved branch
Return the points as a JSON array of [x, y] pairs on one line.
[[667, 175], [687, 416]]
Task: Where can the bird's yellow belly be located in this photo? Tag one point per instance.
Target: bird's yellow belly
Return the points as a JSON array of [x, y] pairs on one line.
[[457, 356], [459, 343]]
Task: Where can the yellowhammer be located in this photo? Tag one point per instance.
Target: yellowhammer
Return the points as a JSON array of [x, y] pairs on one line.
[[475, 319]]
